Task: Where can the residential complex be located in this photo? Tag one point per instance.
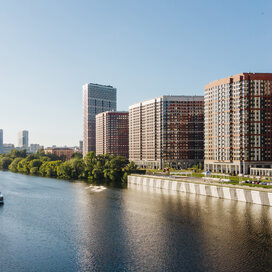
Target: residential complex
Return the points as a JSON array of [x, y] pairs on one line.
[[238, 123], [112, 133], [7, 148], [1, 141], [33, 148], [167, 131], [96, 99], [60, 152], [23, 139]]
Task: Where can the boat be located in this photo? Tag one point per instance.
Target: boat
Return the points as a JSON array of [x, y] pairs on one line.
[[1, 199]]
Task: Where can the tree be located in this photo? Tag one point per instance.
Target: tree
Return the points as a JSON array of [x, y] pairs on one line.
[[35, 163], [4, 163], [23, 166], [77, 155], [64, 170], [50, 168], [34, 171], [13, 165], [14, 153]]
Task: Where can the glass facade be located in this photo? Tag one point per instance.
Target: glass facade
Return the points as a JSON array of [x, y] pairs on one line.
[[96, 99], [23, 139]]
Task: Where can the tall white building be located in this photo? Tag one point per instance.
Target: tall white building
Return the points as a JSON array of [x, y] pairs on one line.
[[96, 99], [23, 139]]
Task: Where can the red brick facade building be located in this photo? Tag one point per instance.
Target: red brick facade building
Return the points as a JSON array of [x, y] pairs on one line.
[[112, 133]]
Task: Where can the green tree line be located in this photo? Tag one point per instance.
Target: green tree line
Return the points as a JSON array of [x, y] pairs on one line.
[[98, 169]]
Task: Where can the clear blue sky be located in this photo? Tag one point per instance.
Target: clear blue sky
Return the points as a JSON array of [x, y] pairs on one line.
[[50, 48]]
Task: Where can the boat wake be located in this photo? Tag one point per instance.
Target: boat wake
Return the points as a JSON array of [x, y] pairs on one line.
[[96, 189]]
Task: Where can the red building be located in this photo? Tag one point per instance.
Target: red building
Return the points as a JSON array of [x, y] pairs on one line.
[[112, 133], [60, 152]]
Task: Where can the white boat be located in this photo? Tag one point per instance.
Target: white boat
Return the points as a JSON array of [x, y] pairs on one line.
[[1, 199]]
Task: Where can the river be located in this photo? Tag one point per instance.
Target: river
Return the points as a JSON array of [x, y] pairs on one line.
[[55, 225]]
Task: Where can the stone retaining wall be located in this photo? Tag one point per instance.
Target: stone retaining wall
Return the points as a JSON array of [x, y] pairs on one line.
[[238, 194]]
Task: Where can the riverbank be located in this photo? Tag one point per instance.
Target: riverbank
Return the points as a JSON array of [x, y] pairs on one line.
[[100, 169], [254, 195]]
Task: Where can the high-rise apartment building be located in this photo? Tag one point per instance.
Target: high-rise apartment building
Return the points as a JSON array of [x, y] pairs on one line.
[[23, 139], [96, 99], [80, 146], [238, 123], [167, 131], [1, 141], [112, 133]]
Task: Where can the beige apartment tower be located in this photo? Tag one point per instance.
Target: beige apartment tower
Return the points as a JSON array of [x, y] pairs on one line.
[[238, 123], [167, 131]]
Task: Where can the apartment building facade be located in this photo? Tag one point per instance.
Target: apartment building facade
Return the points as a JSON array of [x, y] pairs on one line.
[[238, 123], [112, 133], [167, 131]]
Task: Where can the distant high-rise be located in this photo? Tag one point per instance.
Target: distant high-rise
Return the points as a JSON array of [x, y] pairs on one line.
[[1, 141], [96, 99], [33, 148], [167, 131], [112, 133], [23, 139], [80, 146]]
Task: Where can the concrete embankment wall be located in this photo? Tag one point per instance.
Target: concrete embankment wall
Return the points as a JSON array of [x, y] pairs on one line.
[[238, 194]]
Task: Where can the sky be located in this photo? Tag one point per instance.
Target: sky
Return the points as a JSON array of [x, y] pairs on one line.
[[144, 48]]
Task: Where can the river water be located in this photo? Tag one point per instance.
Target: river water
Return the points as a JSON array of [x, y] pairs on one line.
[[54, 225]]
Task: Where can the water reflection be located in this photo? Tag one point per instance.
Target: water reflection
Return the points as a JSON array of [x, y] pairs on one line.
[[150, 229], [223, 235], [62, 226]]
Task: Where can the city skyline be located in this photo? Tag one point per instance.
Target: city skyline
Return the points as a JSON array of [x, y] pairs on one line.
[[47, 60]]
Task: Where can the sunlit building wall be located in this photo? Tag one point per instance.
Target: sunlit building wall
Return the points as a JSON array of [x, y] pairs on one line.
[[167, 131], [112, 133], [238, 123]]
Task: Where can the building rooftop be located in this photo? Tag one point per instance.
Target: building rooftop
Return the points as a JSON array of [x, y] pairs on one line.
[[169, 98], [58, 148], [99, 85], [111, 112], [237, 77]]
